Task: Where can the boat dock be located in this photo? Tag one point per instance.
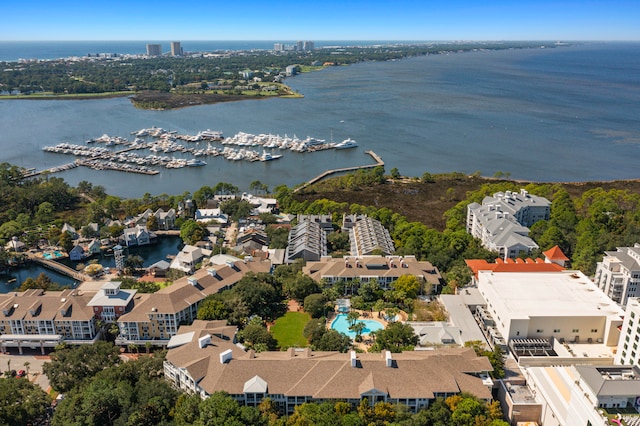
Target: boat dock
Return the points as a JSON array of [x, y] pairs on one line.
[[50, 170], [330, 172]]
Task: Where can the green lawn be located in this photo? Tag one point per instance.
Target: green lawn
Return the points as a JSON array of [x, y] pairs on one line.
[[287, 329]]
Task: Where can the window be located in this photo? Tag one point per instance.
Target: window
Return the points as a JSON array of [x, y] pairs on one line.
[[594, 330], [556, 330], [539, 330], [575, 330]]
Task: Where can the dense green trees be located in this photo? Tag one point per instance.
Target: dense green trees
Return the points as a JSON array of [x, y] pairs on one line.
[[41, 281], [299, 286], [132, 393], [192, 231], [21, 402], [315, 305], [212, 308], [321, 339], [397, 337], [70, 367]]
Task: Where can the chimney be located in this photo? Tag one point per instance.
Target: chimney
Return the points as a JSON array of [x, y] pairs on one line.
[[225, 356], [354, 360], [193, 281], [204, 341], [212, 271], [387, 359]]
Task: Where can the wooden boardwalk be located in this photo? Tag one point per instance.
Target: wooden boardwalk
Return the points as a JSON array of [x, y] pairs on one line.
[[58, 267], [330, 172]]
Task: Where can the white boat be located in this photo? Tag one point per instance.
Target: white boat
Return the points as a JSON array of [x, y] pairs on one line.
[[347, 143], [267, 156], [210, 134], [195, 162]]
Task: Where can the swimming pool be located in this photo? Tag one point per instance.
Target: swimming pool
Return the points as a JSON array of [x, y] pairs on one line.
[[52, 255], [342, 325]]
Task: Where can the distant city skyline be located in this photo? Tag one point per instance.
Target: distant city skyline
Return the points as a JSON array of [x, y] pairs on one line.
[[328, 20]]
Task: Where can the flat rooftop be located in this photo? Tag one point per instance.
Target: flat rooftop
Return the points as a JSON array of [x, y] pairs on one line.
[[546, 294], [460, 316]]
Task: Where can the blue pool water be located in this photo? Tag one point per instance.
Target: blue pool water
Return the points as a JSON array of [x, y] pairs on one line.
[[56, 254], [342, 325]]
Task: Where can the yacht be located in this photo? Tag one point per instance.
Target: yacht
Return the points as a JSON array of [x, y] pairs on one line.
[[267, 156], [347, 143], [195, 162], [210, 134]]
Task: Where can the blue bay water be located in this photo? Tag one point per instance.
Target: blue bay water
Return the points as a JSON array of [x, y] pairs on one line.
[[563, 114]]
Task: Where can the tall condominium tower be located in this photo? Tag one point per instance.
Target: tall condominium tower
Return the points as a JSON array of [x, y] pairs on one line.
[[176, 50], [154, 49]]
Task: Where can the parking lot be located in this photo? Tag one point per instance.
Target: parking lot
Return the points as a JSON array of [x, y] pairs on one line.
[[13, 361]]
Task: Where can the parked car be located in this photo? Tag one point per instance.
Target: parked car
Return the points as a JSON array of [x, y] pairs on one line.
[[21, 373]]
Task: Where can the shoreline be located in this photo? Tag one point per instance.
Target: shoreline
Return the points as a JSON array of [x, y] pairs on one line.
[[171, 101]]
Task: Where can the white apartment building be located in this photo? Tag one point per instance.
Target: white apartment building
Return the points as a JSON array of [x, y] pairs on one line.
[[565, 305], [502, 221], [618, 275], [578, 395], [628, 352]]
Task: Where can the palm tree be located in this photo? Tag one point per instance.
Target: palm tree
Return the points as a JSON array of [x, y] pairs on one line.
[[132, 347], [26, 367], [114, 330], [148, 347], [358, 328], [352, 317]]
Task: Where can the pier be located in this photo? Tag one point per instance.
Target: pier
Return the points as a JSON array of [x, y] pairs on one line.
[[55, 169], [330, 172], [58, 267]]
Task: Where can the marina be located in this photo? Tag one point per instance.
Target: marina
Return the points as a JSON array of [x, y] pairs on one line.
[[164, 145]]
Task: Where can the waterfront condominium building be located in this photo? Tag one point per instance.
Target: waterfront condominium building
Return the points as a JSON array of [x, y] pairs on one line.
[[154, 49], [176, 49], [502, 221], [618, 275]]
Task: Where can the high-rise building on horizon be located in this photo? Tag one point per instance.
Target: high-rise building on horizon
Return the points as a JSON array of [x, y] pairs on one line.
[[154, 49], [278, 47], [304, 46], [176, 49]]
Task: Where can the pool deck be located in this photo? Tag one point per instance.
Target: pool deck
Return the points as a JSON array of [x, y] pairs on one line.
[[364, 315]]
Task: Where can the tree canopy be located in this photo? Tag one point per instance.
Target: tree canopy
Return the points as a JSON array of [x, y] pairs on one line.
[[71, 366]]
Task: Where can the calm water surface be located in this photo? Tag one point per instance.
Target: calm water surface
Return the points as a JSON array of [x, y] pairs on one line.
[[150, 255], [565, 114]]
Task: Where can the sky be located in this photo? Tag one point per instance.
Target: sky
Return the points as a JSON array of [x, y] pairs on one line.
[[423, 20]]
